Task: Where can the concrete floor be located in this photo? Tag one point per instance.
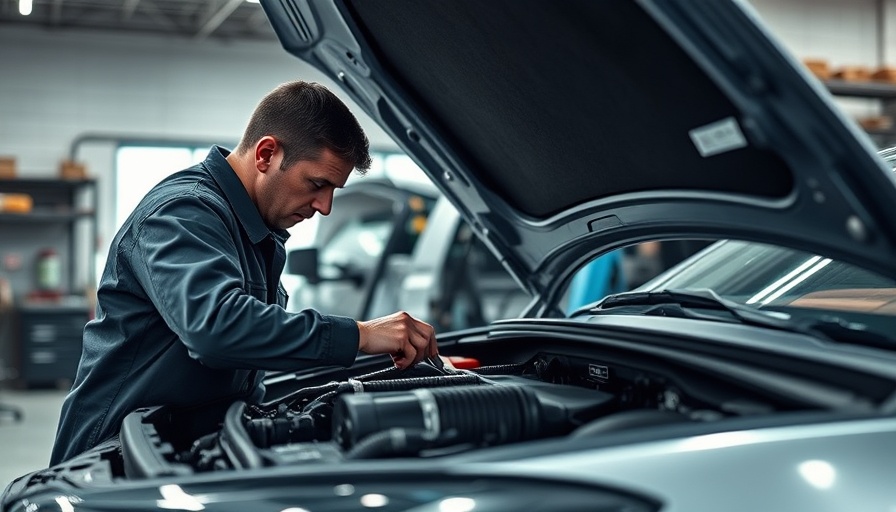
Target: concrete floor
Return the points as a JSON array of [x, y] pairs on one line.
[[25, 445]]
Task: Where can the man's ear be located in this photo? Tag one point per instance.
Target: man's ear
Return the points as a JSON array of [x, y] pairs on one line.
[[264, 152]]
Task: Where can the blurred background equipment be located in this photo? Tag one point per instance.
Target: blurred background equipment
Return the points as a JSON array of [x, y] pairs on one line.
[[49, 273], [7, 167], [48, 229], [16, 203], [7, 372]]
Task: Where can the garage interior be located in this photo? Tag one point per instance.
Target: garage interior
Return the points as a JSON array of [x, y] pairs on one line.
[[88, 85]]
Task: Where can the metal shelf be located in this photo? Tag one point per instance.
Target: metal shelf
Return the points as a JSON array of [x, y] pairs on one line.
[[884, 92], [879, 90], [63, 217], [37, 184], [38, 217]]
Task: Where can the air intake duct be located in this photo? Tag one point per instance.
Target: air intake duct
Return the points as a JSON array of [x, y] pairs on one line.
[[481, 415]]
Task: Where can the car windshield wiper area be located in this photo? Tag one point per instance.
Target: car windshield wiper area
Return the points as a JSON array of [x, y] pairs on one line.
[[708, 305], [704, 304]]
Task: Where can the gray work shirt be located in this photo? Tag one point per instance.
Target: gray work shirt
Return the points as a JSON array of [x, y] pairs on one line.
[[190, 310]]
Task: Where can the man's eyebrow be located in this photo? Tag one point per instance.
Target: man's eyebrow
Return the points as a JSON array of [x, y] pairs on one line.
[[327, 182]]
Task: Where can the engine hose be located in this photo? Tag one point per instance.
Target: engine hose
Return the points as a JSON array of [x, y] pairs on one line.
[[390, 443], [407, 384], [268, 432], [322, 400], [262, 431], [308, 393], [356, 387], [235, 440], [500, 369], [484, 415], [317, 393], [384, 375], [419, 370], [494, 415], [380, 374]]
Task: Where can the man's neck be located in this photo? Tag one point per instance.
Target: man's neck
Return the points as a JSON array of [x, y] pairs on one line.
[[243, 170]]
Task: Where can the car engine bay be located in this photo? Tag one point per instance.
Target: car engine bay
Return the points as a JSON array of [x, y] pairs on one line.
[[569, 390], [419, 412], [425, 412]]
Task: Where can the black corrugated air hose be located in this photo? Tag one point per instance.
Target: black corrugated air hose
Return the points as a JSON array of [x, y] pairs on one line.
[[407, 384], [500, 369], [394, 442], [235, 439], [483, 415]]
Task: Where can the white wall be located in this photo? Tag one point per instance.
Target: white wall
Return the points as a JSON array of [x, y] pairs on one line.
[[55, 86], [842, 32], [58, 86]]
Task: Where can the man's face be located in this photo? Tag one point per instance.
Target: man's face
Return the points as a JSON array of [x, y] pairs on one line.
[[289, 196]]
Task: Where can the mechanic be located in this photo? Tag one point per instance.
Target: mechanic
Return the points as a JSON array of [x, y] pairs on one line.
[[190, 309]]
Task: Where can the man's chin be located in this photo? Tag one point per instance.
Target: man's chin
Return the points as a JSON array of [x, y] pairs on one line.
[[292, 220]]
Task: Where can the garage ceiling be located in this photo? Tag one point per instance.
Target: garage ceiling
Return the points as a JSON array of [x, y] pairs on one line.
[[194, 19]]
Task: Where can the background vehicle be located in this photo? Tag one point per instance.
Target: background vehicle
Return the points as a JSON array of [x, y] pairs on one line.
[[349, 267], [453, 281], [398, 245], [401, 246]]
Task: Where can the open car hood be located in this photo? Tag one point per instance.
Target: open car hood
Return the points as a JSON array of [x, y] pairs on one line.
[[565, 129]]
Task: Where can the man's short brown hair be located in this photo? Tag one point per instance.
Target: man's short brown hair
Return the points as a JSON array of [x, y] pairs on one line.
[[305, 118]]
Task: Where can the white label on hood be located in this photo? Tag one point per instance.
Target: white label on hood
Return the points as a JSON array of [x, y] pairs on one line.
[[718, 137]]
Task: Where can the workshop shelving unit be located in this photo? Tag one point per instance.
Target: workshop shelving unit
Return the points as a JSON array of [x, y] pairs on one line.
[[45, 343], [883, 92]]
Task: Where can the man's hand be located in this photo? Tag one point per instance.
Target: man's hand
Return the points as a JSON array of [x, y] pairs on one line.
[[405, 338]]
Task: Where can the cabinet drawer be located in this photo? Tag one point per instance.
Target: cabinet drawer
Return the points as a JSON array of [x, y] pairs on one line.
[[50, 328], [51, 333], [47, 366], [51, 343], [40, 357], [44, 328]]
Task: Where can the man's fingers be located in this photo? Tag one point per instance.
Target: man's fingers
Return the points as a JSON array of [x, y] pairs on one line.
[[405, 338], [428, 336], [401, 362], [421, 347], [408, 356], [418, 347], [433, 345]]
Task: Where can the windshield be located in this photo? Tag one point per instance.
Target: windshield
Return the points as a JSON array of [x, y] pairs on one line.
[[768, 277], [771, 277]]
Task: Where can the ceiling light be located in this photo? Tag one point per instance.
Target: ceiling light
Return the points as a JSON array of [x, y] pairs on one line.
[[25, 7], [253, 1]]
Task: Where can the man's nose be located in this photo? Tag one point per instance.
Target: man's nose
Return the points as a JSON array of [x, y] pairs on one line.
[[324, 203]]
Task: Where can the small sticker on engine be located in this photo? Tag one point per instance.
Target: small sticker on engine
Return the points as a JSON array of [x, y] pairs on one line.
[[598, 372], [718, 137]]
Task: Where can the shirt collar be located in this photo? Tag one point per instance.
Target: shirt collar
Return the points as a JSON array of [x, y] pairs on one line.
[[245, 210]]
